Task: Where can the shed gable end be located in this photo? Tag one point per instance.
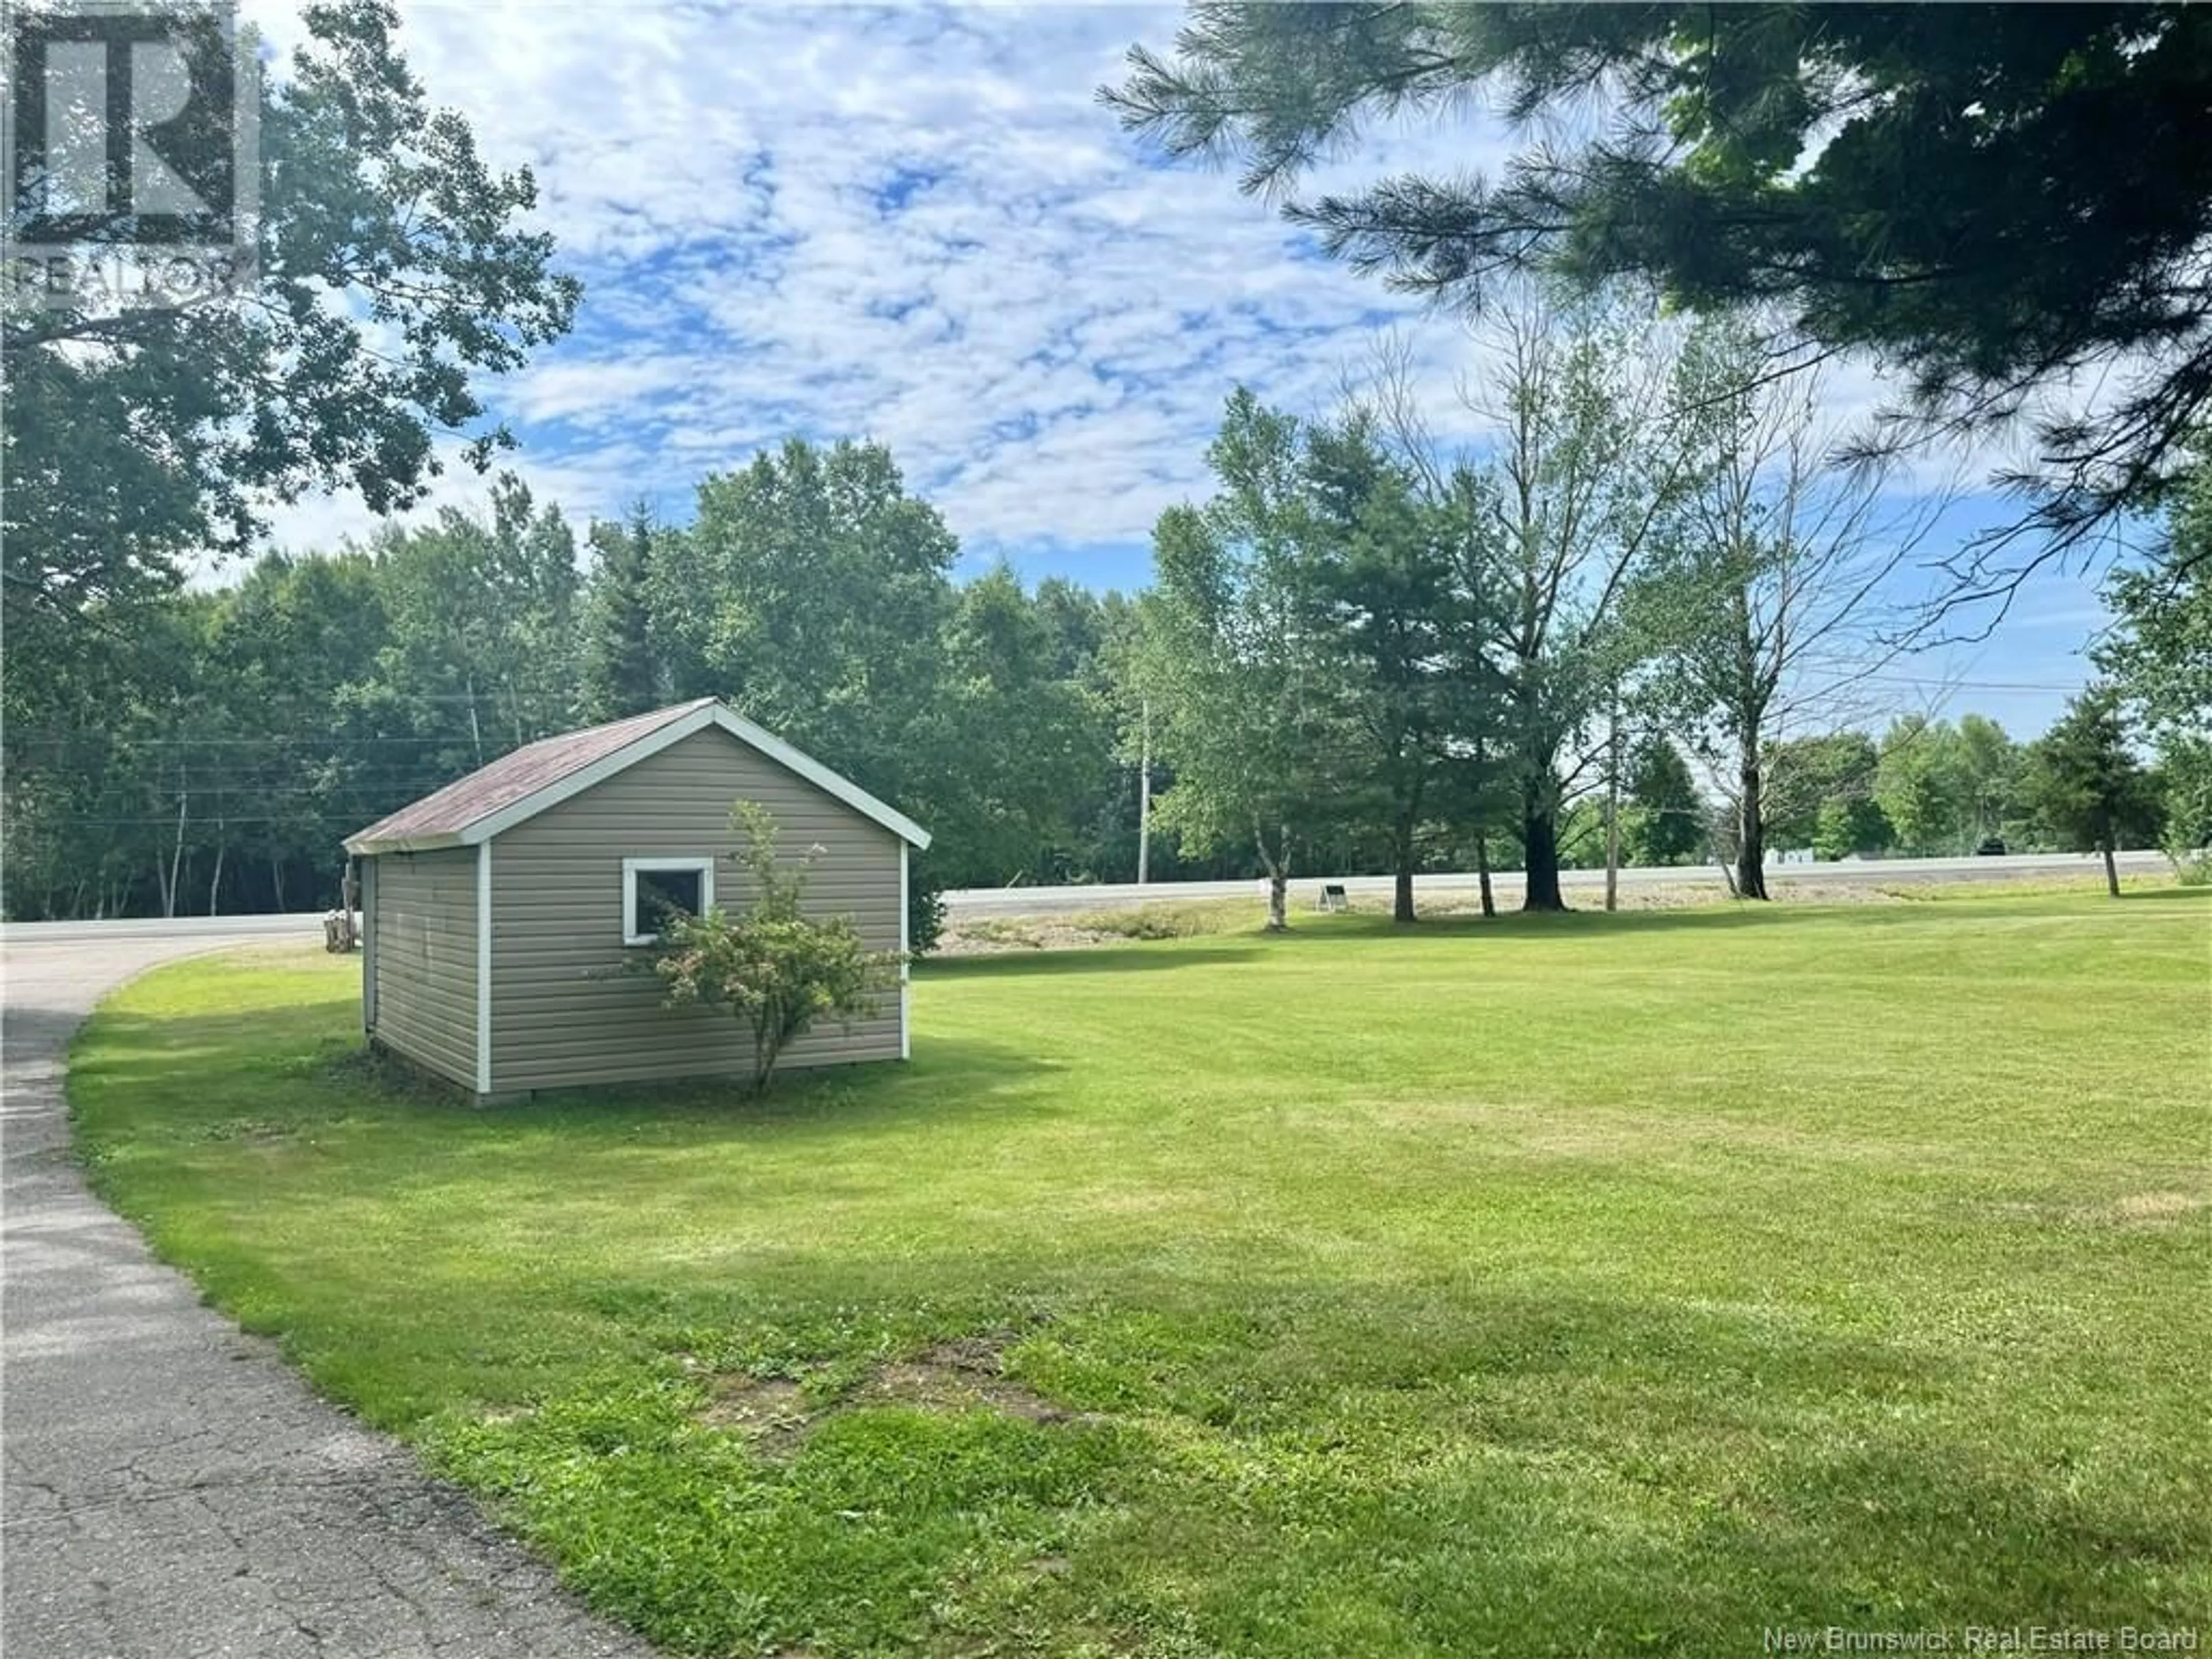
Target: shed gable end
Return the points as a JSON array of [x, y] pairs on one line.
[[565, 1007]]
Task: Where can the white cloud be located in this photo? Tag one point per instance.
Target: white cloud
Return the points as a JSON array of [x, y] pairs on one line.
[[606, 480], [916, 225]]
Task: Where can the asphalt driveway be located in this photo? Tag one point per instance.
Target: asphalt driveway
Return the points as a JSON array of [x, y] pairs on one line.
[[171, 1491]]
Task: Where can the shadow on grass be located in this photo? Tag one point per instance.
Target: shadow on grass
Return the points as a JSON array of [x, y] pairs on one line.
[[1738, 913], [1312, 931], [265, 1073], [1090, 959], [1309, 931], [1569, 924], [1921, 1519], [2166, 895], [948, 1080]]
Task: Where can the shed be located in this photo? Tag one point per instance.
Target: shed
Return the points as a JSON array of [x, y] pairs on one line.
[[498, 912]]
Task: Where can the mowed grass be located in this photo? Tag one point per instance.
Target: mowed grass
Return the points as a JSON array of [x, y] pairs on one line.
[[1583, 1285]]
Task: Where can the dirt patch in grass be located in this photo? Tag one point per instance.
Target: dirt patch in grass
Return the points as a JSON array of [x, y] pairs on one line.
[[1515, 1129], [1080, 930], [2159, 1208], [999, 938], [960, 1375], [2156, 1209], [966, 1373], [770, 1412]]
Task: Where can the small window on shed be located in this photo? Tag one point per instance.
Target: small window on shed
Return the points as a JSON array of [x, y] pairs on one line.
[[653, 887]]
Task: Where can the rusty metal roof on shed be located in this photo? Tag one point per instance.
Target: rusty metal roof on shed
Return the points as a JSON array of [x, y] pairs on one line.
[[538, 775]]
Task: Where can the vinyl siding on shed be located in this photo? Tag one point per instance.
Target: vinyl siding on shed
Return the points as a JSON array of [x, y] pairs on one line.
[[564, 1013], [422, 914]]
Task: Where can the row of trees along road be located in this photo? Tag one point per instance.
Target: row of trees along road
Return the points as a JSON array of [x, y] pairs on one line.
[[216, 762], [1361, 630], [1820, 168], [1362, 653]]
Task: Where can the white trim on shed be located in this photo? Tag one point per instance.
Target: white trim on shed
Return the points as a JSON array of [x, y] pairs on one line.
[[368, 932], [703, 866], [483, 967], [906, 948]]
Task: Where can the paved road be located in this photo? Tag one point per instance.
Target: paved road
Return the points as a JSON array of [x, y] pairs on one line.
[[208, 932], [171, 1490], [1047, 901]]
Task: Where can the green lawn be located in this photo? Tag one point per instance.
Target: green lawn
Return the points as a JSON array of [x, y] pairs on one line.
[[1591, 1286]]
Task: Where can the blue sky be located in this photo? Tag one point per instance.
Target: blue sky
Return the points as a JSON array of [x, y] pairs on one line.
[[917, 226]]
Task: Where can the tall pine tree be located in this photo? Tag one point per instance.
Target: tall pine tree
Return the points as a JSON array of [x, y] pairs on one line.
[[620, 675]]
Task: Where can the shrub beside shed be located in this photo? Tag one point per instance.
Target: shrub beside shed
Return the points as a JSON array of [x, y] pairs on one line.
[[497, 912]]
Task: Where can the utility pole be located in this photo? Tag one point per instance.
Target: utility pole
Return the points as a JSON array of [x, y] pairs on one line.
[[1612, 805], [1144, 799]]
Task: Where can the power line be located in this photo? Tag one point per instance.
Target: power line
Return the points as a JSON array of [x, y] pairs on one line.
[[1967, 685], [57, 735]]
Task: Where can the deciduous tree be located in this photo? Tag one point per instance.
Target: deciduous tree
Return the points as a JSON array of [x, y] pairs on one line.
[[482, 612], [2158, 653], [1028, 739], [1923, 786], [1243, 703], [1851, 826], [1771, 597], [1805, 775], [1561, 514], [1989, 767], [397, 272], [812, 591]]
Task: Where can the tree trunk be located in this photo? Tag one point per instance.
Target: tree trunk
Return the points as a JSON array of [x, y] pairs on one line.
[[1612, 856], [1482, 873], [214, 881], [170, 877], [1539, 835], [2111, 869], [475, 729], [1612, 807], [1401, 892], [1751, 829], [1278, 880], [765, 1021]]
